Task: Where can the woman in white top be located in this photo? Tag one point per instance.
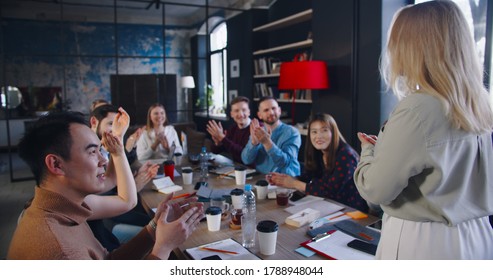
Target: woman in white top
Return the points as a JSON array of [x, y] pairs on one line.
[[159, 137], [431, 166]]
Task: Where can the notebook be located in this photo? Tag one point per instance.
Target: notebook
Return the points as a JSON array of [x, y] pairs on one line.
[[359, 231], [165, 185], [228, 171], [207, 192]]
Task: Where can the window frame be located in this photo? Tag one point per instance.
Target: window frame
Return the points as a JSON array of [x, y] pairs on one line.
[[222, 51]]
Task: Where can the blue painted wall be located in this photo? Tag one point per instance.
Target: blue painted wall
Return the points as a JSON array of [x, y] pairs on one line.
[[80, 57]]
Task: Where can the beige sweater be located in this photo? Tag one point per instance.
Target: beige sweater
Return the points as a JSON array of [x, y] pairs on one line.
[[54, 227], [424, 170]]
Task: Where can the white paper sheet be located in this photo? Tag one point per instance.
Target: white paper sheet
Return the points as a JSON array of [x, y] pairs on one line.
[[325, 207], [306, 199], [227, 244], [336, 247]]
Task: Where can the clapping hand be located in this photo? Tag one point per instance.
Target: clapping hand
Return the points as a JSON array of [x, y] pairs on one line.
[[263, 134], [216, 131], [145, 173], [254, 125], [367, 139], [175, 223], [121, 123], [112, 143], [132, 140], [162, 139]]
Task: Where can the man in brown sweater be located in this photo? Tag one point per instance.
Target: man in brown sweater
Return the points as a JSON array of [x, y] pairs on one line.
[[64, 156]]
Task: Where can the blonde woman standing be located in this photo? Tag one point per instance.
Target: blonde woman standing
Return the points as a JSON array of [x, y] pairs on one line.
[[159, 136], [430, 168]]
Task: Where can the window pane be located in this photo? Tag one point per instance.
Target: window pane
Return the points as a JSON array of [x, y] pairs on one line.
[[219, 37], [217, 80], [218, 70], [490, 83]]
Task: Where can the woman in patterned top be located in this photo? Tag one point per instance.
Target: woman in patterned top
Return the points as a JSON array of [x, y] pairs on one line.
[[329, 165]]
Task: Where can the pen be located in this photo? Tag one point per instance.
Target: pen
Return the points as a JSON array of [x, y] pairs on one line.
[[227, 174], [337, 216], [365, 236], [218, 250], [183, 195], [321, 237]]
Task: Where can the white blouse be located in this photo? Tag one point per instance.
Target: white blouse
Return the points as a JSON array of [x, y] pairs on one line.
[[144, 150]]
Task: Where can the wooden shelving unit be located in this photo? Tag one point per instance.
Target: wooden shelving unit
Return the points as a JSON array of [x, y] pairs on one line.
[[263, 79], [273, 75], [296, 45], [285, 22], [289, 100]]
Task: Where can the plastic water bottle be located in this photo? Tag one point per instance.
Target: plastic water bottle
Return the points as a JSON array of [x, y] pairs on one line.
[[172, 150], [204, 165], [249, 218]]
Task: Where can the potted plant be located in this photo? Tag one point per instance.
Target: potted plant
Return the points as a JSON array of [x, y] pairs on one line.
[[206, 100]]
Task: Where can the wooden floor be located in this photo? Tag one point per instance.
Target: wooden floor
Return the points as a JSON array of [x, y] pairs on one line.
[[12, 198]]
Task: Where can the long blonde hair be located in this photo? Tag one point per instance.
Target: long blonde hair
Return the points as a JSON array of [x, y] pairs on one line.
[[431, 50], [150, 125]]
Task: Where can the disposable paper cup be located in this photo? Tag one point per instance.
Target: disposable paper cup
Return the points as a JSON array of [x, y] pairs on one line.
[[237, 198], [178, 158], [169, 169], [187, 174], [240, 175], [262, 188], [213, 216], [267, 236]]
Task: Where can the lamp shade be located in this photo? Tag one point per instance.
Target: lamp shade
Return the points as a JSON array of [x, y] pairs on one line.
[[304, 75], [187, 82]]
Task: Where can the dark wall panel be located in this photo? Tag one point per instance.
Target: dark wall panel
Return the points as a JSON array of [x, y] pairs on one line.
[[333, 31]]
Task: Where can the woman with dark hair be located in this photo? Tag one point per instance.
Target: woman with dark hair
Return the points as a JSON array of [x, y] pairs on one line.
[[329, 165], [159, 136]]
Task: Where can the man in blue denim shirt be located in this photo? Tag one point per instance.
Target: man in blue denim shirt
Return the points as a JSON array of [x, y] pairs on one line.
[[275, 146]]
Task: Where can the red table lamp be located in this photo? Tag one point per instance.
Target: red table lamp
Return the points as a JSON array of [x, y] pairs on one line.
[[298, 75]]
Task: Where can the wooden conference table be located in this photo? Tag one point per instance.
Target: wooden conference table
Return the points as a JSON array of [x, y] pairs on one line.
[[288, 238]]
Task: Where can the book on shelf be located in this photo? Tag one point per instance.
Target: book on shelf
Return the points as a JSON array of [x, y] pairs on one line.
[[298, 94], [285, 96], [308, 94], [266, 65], [256, 67], [274, 65], [263, 66], [262, 89]]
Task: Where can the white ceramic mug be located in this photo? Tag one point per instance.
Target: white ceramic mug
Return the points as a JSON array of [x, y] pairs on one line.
[[221, 203]]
